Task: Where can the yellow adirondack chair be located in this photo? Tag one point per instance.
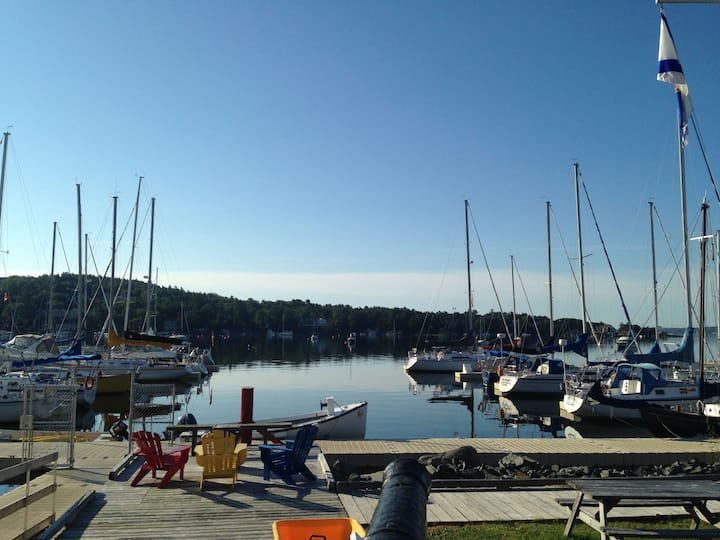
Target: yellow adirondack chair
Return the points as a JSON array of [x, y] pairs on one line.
[[219, 455]]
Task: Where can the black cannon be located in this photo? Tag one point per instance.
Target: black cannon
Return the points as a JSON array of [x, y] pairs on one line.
[[401, 513]]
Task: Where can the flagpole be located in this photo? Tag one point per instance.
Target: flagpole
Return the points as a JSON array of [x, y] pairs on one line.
[[683, 204]]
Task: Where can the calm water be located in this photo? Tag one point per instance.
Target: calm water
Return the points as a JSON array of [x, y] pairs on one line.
[[293, 377]]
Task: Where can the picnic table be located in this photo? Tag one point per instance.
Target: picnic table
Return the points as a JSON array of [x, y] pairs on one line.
[[263, 428], [595, 498]]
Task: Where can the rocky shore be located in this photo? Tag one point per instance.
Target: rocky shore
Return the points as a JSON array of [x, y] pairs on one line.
[[465, 463]]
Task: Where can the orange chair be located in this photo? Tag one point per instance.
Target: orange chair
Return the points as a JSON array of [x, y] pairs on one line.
[[328, 528], [219, 455], [156, 459]]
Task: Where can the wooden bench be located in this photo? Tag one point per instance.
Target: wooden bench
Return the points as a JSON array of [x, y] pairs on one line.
[[622, 532], [595, 498], [626, 503]]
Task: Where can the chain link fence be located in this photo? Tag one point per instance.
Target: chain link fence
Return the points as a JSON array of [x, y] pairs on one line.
[[48, 416]]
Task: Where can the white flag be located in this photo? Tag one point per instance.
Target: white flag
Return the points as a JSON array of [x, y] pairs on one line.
[[670, 70]]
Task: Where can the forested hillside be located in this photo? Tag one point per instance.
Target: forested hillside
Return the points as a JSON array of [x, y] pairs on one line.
[[26, 308]]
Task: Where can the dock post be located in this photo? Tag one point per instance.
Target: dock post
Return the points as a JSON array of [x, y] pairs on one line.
[[401, 512], [246, 413]]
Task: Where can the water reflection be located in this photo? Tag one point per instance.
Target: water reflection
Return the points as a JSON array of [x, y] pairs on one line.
[[308, 349], [159, 401], [518, 417], [296, 375]]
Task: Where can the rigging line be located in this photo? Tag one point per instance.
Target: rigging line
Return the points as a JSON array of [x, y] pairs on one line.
[[32, 229], [666, 286], [574, 276], [100, 234], [527, 299], [702, 150], [67, 310], [100, 279], [676, 270], [607, 257], [492, 281], [664, 425], [429, 316], [62, 248]]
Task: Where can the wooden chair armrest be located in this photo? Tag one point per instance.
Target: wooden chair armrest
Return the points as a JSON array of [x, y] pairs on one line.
[[179, 449], [239, 447], [271, 448], [241, 451], [199, 450]]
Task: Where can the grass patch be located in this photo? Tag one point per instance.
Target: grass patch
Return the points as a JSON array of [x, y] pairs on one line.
[[543, 530]]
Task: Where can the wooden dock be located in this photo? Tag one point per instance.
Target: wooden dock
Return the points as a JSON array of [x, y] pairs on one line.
[[114, 509]]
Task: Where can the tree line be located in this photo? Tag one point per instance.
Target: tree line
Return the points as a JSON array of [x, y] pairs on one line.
[[50, 303]]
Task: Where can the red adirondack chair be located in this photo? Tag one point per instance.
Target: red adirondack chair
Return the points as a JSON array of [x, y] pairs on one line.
[[170, 461]]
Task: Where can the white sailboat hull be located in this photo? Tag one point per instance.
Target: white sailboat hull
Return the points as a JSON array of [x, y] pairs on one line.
[[439, 362], [529, 384], [337, 422], [626, 406]]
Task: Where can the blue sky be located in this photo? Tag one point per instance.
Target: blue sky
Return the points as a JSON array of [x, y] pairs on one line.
[[323, 150]]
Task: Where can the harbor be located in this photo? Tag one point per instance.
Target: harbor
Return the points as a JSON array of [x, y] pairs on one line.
[[90, 505]]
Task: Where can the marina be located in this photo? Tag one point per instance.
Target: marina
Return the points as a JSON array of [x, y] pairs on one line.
[[297, 375], [310, 165], [407, 416]]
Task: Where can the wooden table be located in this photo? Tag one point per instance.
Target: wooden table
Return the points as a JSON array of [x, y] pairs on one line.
[[263, 428], [609, 493]]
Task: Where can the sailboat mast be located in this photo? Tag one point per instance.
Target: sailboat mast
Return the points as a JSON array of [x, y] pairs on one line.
[[112, 262], [6, 138], [550, 291], [147, 325], [80, 267], [467, 257], [654, 272], [512, 280], [683, 207], [50, 323], [701, 322], [580, 247], [132, 257]]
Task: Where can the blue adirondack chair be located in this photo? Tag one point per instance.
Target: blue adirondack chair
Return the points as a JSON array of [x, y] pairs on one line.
[[285, 461]]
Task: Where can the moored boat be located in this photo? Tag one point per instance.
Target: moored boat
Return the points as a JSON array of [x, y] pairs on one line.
[[544, 378], [439, 360], [625, 388], [333, 421]]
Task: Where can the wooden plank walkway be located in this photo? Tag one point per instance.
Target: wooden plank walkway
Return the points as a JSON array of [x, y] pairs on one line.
[[620, 451], [182, 511]]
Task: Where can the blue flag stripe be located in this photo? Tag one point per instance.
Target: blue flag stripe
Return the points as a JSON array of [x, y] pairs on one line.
[[670, 64]]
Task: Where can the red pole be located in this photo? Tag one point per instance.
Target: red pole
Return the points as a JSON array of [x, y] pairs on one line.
[[246, 413]]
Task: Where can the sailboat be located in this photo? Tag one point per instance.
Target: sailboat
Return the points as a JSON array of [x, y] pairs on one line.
[[446, 359], [542, 376], [684, 354], [690, 419], [634, 390]]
